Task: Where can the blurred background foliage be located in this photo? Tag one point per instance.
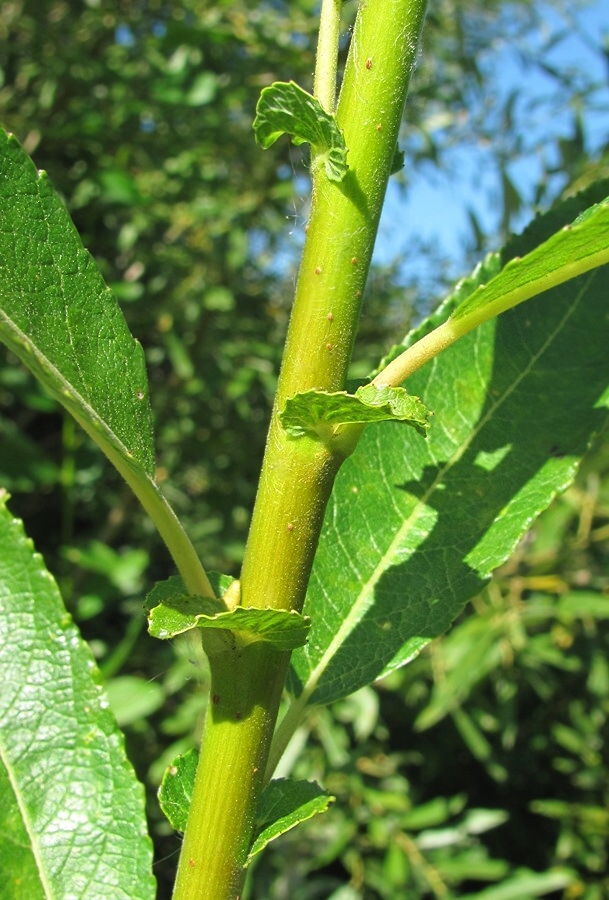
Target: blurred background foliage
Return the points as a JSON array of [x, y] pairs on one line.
[[480, 770]]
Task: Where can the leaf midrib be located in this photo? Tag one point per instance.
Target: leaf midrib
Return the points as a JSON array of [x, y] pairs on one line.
[[362, 600], [62, 389]]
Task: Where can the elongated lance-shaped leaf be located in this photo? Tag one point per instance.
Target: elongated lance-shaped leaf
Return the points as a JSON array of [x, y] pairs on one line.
[[414, 528], [575, 249], [573, 238], [60, 319], [72, 820]]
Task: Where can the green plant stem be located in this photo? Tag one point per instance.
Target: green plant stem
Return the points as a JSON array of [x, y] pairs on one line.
[[230, 772], [327, 54], [298, 474]]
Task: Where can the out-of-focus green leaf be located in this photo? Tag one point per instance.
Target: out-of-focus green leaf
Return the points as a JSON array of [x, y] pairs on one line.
[[133, 698], [526, 885], [583, 605], [23, 465], [72, 813], [435, 812]]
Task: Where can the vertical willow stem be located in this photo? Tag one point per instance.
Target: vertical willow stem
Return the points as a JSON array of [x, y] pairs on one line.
[[298, 474], [327, 54]]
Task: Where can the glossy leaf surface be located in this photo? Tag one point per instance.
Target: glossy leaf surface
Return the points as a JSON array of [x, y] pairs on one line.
[[573, 250], [283, 805], [60, 319], [516, 402], [72, 818], [64, 324]]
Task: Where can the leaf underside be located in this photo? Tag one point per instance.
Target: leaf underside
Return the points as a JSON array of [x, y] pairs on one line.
[[72, 820], [173, 611], [320, 412], [285, 108], [516, 404]]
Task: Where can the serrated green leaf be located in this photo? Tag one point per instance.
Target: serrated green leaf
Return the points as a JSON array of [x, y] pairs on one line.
[[60, 319], [167, 590], [72, 820], [414, 529], [285, 108], [283, 805], [575, 249], [178, 612], [553, 249], [322, 413], [175, 792], [486, 269], [174, 587]]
